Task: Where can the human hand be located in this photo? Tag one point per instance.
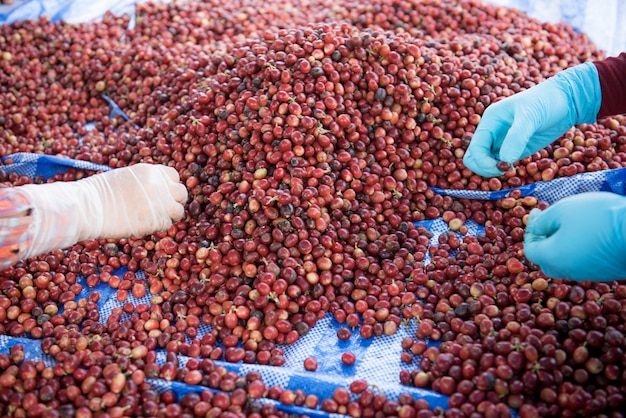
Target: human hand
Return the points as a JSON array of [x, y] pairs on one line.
[[526, 122], [581, 237], [138, 200], [130, 201]]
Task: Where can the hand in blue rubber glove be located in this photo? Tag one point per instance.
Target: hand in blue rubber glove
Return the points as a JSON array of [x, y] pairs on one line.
[[582, 237], [526, 122]]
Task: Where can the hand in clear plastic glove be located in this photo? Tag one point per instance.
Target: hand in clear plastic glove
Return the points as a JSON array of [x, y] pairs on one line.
[[131, 201], [526, 122], [581, 237]]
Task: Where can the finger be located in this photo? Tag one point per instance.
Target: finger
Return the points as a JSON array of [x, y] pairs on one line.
[[537, 249], [170, 172], [532, 244], [482, 153], [176, 211], [539, 240], [481, 162], [543, 223], [480, 156], [179, 192], [517, 138], [482, 167]]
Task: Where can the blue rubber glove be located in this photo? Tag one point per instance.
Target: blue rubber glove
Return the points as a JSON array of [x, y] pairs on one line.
[[526, 122], [581, 237]]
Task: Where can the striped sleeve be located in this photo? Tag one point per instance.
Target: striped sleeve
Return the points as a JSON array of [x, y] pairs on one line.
[[15, 219]]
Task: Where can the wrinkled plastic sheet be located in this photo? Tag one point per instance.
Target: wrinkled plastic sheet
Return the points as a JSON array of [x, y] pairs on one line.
[[71, 11], [602, 21]]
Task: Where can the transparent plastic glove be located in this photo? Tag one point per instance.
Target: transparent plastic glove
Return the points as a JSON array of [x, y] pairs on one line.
[[582, 237], [526, 122], [130, 201]]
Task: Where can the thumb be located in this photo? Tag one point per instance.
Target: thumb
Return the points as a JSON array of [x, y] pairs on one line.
[[539, 250], [540, 227], [482, 151], [516, 140], [542, 223]]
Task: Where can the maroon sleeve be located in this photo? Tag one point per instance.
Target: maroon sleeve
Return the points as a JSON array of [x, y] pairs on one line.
[[612, 73]]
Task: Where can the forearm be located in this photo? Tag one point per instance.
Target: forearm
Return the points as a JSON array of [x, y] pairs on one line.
[[36, 219], [62, 214], [130, 201], [612, 75]]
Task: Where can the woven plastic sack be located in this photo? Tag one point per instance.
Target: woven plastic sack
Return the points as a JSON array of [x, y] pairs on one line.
[[46, 166], [606, 180]]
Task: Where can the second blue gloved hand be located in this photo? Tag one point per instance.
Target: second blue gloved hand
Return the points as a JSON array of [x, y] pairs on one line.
[[526, 122], [582, 237]]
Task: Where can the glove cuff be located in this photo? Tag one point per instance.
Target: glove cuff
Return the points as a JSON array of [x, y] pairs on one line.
[[582, 85], [62, 215]]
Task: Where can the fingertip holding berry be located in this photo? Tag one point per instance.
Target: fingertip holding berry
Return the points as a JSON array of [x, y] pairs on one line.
[[504, 166]]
